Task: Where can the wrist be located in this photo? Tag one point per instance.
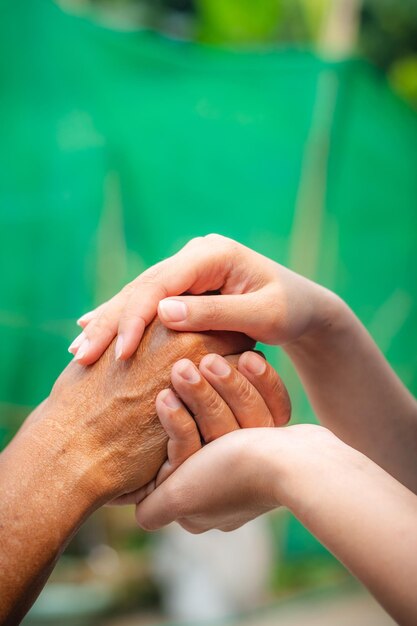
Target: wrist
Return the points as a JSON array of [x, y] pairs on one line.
[[307, 454], [330, 322], [59, 458]]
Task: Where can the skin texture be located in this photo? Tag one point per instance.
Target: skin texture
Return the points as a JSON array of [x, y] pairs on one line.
[[360, 512], [95, 438], [255, 395], [351, 387], [127, 392], [363, 506]]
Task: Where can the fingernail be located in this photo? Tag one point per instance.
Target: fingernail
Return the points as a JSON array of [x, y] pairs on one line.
[[254, 363], [217, 365], [173, 310], [76, 343], [84, 317], [119, 347], [82, 350], [171, 400], [189, 373]]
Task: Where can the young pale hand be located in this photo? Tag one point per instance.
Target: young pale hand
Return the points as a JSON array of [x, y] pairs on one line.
[[236, 478], [255, 296], [222, 395]]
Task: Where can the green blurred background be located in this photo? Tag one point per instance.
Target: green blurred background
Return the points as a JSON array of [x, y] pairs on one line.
[[129, 127]]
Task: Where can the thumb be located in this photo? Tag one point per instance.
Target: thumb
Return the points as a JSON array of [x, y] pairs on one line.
[[243, 313], [159, 509]]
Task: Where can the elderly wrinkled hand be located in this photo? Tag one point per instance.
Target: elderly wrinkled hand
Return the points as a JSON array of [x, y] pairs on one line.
[[108, 413]]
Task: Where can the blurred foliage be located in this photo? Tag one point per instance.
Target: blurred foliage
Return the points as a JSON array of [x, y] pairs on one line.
[[387, 36], [238, 21], [389, 30]]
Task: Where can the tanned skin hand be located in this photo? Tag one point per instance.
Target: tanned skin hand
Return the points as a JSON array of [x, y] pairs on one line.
[[95, 438]]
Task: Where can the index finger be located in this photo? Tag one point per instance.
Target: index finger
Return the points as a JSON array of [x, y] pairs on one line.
[[198, 267]]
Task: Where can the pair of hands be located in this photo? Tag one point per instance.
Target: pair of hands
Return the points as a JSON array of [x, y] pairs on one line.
[[221, 396], [98, 437], [256, 296]]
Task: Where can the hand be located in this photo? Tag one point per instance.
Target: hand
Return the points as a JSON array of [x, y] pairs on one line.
[[351, 388], [257, 297], [256, 397], [348, 502], [106, 412], [235, 479], [95, 438]]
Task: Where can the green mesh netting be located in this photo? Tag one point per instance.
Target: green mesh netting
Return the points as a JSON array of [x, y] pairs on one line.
[[117, 147]]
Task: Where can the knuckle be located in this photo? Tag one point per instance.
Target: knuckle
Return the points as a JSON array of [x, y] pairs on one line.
[[191, 527], [213, 310], [155, 284], [221, 243], [242, 388], [150, 275], [130, 317], [214, 238], [194, 242], [186, 430], [211, 403], [102, 325], [128, 289]]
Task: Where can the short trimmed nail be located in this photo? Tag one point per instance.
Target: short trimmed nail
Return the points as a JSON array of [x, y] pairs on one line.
[[255, 364], [119, 347], [217, 365], [173, 310], [82, 350], [85, 317], [171, 400], [76, 343], [189, 373]]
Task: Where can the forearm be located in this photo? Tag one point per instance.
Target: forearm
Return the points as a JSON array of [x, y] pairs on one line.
[[362, 515], [357, 395], [95, 438], [46, 492]]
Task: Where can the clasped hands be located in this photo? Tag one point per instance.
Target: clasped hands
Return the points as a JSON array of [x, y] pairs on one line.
[[134, 422], [130, 426], [213, 396]]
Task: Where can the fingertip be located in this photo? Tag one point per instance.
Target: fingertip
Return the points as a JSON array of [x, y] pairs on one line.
[[85, 360], [86, 318], [252, 363], [172, 419], [172, 311], [128, 340], [82, 348], [88, 353], [216, 365], [184, 371], [269, 384], [161, 395], [168, 400], [141, 519], [118, 350], [76, 344]]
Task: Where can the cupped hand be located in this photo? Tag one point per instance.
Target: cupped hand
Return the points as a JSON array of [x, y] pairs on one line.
[[218, 397], [224, 485], [248, 293]]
